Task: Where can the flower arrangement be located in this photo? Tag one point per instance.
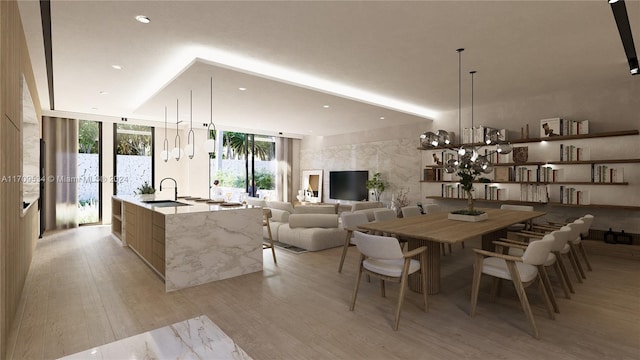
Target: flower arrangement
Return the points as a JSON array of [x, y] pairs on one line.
[[145, 189], [469, 174], [401, 200]]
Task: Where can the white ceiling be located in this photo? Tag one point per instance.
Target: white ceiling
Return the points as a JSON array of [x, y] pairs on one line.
[[401, 51]]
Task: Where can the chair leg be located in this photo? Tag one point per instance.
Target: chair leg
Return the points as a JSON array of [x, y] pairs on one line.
[[560, 277], [522, 295], [565, 274], [382, 292], [273, 248], [584, 256], [462, 243], [423, 273], [475, 286], [545, 298], [496, 287], [574, 251], [403, 286], [574, 265], [344, 249], [544, 277], [444, 252], [449, 245], [355, 290]]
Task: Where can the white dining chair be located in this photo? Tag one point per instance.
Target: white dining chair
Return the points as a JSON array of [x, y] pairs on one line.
[[410, 211], [522, 271], [382, 257], [521, 226], [350, 222]]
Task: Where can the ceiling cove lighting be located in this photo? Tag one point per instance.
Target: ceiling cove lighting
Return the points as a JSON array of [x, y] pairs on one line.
[[143, 19], [116, 67], [619, 10], [185, 56]]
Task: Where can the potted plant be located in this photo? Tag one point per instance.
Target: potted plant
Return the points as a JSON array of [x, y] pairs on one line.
[[145, 190], [376, 186], [469, 174]]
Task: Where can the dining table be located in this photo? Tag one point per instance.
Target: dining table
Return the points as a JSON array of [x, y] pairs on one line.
[[431, 230]]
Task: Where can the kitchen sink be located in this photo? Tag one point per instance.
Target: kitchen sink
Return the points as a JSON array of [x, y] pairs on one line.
[[165, 203]]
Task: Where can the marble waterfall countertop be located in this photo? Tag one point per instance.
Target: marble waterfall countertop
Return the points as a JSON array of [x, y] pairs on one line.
[[194, 204], [197, 338], [207, 242]]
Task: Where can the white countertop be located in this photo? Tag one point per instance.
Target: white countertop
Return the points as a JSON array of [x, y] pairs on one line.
[[197, 338], [194, 206]]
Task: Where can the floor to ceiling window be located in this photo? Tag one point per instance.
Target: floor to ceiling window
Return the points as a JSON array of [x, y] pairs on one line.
[[89, 172], [244, 165], [133, 158]]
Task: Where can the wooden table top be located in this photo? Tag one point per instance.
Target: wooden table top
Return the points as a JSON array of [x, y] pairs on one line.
[[436, 227]]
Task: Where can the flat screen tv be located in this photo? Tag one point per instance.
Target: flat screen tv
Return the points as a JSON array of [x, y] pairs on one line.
[[348, 185]]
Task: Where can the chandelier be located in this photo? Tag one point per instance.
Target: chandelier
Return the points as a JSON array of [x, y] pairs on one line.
[[469, 160]]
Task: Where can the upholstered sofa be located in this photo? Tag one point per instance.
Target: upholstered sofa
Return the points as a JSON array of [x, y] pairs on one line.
[[314, 227], [367, 208], [312, 232]]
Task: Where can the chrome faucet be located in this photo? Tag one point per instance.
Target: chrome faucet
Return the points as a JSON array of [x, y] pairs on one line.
[[175, 187]]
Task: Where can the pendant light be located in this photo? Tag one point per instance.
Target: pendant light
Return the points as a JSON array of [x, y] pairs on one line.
[[177, 152], [164, 155], [210, 142], [190, 149]]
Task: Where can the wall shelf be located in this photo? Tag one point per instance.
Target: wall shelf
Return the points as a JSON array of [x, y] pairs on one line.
[[575, 180]]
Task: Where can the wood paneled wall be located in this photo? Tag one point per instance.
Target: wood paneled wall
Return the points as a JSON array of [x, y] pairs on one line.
[[18, 232]]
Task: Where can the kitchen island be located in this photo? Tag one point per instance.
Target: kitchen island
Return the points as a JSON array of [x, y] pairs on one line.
[[189, 243]]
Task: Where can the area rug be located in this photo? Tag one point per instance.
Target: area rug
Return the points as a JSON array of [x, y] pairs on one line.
[[290, 248]]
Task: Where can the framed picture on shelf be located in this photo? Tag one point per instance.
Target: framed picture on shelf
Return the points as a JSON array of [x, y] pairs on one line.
[[550, 127]]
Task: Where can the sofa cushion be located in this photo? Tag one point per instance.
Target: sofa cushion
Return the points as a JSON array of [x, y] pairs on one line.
[[313, 221], [315, 209], [279, 216], [280, 205], [256, 201], [362, 205]]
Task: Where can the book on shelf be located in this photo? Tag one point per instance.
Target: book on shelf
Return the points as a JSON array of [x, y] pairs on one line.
[[526, 174], [573, 196], [433, 174], [492, 192], [574, 153], [606, 174], [574, 127], [534, 193], [549, 174], [502, 173]]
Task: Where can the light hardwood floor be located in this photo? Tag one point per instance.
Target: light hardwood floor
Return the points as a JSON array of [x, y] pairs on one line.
[[85, 290]]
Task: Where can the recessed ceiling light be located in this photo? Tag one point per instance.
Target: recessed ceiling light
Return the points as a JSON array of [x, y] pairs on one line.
[[104, 93], [117, 67], [325, 106], [242, 89], [381, 117], [143, 19], [94, 108]]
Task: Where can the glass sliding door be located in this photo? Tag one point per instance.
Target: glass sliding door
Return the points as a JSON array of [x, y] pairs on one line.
[[244, 165], [89, 172], [133, 158]]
